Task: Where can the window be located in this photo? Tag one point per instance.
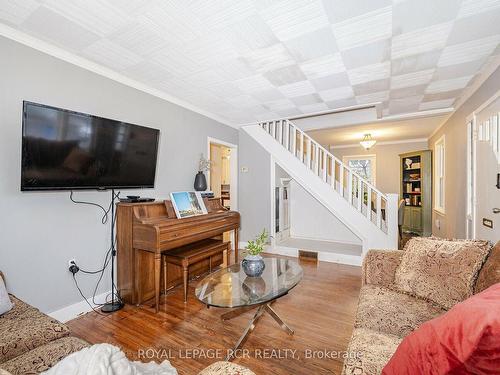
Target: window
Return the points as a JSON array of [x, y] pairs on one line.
[[439, 174], [364, 165]]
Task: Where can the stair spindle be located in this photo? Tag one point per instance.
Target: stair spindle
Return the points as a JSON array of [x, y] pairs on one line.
[[379, 210], [325, 166], [360, 193], [349, 186], [369, 202], [341, 179]]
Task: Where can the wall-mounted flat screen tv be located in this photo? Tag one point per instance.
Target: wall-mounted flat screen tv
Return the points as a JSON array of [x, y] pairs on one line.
[[67, 150]]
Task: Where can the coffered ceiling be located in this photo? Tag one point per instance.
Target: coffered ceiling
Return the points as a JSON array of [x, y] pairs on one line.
[[250, 60]]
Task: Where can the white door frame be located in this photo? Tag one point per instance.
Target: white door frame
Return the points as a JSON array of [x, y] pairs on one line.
[[471, 165], [471, 195], [233, 165]]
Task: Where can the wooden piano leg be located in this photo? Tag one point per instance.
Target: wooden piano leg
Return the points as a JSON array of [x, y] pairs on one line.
[[185, 276], [236, 240], [157, 272], [224, 256], [164, 264]]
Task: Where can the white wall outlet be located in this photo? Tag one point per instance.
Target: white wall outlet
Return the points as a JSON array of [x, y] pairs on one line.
[[244, 169], [71, 262]]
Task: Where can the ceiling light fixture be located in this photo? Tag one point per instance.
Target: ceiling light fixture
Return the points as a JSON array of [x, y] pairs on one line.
[[367, 142]]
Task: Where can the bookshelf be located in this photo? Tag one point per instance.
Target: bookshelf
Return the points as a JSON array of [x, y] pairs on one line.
[[416, 191]]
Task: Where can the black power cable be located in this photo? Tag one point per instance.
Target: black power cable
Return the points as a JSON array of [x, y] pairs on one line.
[[107, 259], [105, 211]]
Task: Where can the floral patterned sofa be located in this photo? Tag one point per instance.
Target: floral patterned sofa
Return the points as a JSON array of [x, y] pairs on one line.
[[32, 342], [386, 314]]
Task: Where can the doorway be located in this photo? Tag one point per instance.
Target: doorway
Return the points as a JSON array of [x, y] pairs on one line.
[[483, 171], [223, 174]]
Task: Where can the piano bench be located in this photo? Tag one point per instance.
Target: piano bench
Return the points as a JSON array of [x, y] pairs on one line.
[[193, 253]]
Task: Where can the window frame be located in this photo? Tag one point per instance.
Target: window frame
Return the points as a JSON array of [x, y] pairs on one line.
[[371, 157], [440, 175]]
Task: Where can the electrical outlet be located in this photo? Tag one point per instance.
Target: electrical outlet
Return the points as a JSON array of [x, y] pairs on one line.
[[72, 267]]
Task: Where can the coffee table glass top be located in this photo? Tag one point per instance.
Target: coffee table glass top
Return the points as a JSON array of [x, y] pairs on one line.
[[231, 287]]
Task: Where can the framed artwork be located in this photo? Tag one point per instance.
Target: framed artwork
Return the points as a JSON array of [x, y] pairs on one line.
[[188, 203]]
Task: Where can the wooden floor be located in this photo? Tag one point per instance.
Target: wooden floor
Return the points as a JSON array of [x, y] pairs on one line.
[[320, 310]]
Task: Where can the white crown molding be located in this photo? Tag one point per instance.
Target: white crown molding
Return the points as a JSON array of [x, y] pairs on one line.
[[57, 52], [383, 143]]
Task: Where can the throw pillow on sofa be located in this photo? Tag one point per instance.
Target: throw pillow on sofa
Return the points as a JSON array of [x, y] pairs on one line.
[[5, 303], [441, 271], [465, 340]]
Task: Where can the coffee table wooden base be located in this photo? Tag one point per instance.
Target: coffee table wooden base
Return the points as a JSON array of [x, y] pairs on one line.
[[261, 309]]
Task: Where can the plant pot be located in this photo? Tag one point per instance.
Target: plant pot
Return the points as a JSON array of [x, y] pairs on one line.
[[253, 265], [200, 182]]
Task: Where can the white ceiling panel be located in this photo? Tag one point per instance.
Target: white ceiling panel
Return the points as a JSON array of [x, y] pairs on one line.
[[48, 24], [375, 97], [270, 58], [97, 15], [312, 45], [413, 15], [420, 41], [364, 29], [471, 7], [412, 79], [370, 73], [323, 66], [448, 85], [16, 12], [292, 18], [469, 51], [297, 89], [240, 61], [336, 94]]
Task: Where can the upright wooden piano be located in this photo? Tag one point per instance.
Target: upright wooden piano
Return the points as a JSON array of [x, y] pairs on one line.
[[145, 230]]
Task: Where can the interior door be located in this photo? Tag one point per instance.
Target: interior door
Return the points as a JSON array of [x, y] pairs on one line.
[[487, 162]]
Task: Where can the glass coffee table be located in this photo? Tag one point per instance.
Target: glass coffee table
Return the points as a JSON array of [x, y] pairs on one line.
[[231, 288]]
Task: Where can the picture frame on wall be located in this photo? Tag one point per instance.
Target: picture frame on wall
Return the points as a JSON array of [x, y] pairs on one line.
[[188, 204]]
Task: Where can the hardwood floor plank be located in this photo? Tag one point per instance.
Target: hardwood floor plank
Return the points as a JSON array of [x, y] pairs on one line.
[[320, 309]]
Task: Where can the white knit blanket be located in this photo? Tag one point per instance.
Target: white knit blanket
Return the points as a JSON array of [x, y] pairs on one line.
[[106, 359]]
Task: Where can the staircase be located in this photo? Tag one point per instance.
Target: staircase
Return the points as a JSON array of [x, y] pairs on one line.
[[366, 211]]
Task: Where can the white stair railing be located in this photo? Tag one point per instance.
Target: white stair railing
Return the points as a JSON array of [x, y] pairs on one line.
[[358, 191]]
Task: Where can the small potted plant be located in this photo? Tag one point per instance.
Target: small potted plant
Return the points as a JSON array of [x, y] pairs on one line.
[[200, 181], [253, 263]]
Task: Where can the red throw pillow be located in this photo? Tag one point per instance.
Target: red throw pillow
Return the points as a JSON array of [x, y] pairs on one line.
[[465, 340]]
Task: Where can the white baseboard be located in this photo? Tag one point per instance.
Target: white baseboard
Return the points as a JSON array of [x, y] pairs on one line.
[[326, 240], [75, 310], [350, 260]]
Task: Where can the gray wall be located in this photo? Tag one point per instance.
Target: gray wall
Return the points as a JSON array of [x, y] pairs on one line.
[[452, 224], [40, 232], [387, 178], [254, 191]]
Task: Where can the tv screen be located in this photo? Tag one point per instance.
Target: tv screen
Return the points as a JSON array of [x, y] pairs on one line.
[[67, 150]]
